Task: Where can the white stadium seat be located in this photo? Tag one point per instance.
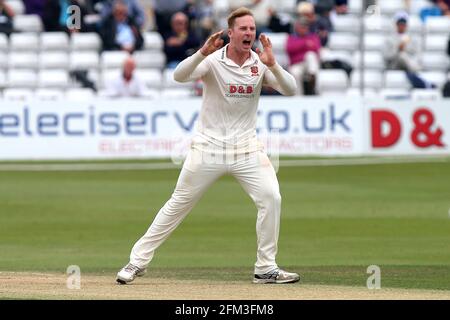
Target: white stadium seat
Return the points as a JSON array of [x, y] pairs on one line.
[[57, 78], [17, 6], [27, 23], [426, 94], [169, 82], [376, 24], [21, 78], [83, 60], [80, 94], [282, 59], [27, 41], [3, 61], [278, 40], [109, 75], [332, 81], [439, 24], [49, 94], [396, 79], [85, 41], [372, 60], [54, 60], [343, 41], [153, 41], [374, 41], [436, 42], [435, 61], [437, 77], [18, 94], [151, 77], [113, 59], [4, 43], [372, 79], [391, 7], [3, 82], [355, 6], [415, 25], [25, 60], [58, 41], [368, 93], [394, 93], [347, 23], [150, 59]]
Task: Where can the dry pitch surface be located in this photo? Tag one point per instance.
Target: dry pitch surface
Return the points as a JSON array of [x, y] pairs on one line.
[[19, 285]]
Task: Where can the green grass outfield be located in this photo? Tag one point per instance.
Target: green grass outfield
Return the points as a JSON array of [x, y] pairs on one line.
[[336, 221]]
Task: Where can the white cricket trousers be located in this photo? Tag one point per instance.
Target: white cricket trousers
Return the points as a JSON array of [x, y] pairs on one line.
[[256, 175]]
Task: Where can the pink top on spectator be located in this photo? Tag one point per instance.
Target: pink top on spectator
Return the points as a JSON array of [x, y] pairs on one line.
[[297, 47]]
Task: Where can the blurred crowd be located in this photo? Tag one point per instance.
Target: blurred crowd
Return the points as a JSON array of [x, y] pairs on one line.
[[185, 24]]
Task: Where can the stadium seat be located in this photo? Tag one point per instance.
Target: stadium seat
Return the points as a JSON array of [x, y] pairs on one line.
[[391, 7], [417, 5], [150, 59], [332, 81], [436, 42], [435, 61], [394, 93], [80, 94], [48, 94], [374, 41], [151, 77], [2, 79], [396, 79], [109, 75], [372, 60], [17, 6], [4, 45], [347, 23], [282, 59], [327, 55], [26, 60], [372, 79], [113, 59], [27, 23], [84, 60], [415, 25], [343, 41], [355, 6], [425, 94], [437, 77], [286, 6], [17, 94], [21, 78], [435, 25], [356, 92], [153, 41], [57, 41], [27, 41], [169, 82], [85, 41], [57, 78], [376, 24], [3, 61], [278, 40], [54, 60], [176, 93]]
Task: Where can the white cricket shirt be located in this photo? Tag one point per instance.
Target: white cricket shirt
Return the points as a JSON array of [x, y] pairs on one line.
[[230, 97]]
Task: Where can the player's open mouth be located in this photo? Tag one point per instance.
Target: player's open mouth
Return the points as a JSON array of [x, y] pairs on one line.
[[247, 42]]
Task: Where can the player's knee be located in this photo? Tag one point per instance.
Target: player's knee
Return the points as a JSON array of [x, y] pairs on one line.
[[271, 198]]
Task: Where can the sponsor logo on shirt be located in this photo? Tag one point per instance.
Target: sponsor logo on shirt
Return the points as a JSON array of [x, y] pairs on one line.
[[240, 91]]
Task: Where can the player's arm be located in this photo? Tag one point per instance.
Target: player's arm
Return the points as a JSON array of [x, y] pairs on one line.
[[194, 67], [276, 77]]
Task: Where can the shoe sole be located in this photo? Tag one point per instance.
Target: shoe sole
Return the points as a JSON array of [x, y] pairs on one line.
[[122, 281]]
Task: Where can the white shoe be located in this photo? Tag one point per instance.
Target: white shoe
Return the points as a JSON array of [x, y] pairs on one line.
[[276, 276], [128, 273]]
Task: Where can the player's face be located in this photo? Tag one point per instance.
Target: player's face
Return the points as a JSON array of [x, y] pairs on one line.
[[243, 34]]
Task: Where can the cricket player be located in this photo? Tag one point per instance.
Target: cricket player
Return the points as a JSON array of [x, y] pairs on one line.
[[225, 142]]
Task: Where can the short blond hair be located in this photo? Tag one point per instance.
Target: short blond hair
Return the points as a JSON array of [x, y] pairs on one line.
[[240, 12]]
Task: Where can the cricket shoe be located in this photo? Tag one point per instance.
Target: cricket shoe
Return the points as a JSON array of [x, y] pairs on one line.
[[128, 273], [276, 276]]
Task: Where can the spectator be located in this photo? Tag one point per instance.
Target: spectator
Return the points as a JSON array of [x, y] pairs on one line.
[[206, 19], [119, 31], [260, 9], [444, 6], [320, 24], [35, 7], [340, 9], [6, 18], [180, 42], [128, 84], [403, 52], [163, 11], [303, 47], [135, 11]]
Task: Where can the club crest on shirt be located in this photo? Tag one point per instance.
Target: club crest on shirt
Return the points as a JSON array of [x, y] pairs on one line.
[[254, 70]]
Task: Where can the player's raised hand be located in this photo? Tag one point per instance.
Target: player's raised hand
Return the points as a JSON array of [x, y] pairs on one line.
[[266, 56], [213, 43]]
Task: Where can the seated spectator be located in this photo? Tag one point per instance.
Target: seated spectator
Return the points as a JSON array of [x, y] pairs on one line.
[[128, 84], [303, 47], [163, 11], [402, 52], [119, 31], [318, 23], [180, 42], [6, 18], [35, 7], [135, 11], [259, 8]]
